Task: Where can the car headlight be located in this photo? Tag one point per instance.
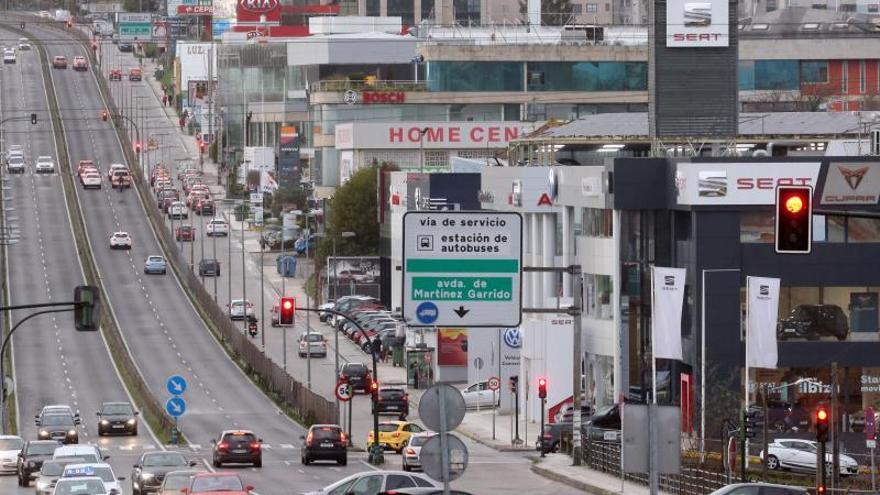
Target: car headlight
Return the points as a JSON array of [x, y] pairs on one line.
[[42, 485], [71, 432], [104, 422], [32, 464], [146, 476], [44, 434], [131, 422]]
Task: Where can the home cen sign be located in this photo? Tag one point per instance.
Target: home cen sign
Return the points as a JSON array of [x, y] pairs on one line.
[[430, 135]]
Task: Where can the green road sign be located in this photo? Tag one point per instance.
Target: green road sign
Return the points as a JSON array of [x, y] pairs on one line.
[[131, 31], [462, 268]]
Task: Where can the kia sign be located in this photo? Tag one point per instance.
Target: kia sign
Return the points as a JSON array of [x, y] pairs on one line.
[[195, 10], [258, 6], [740, 183], [697, 24], [257, 11]]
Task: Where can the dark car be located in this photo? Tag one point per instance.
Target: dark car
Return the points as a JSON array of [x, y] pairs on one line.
[[31, 458], [117, 417], [205, 207], [782, 416], [325, 442], [605, 423], [813, 321], [57, 426], [357, 375], [392, 401], [209, 268], [185, 233], [125, 47], [238, 446], [151, 468]]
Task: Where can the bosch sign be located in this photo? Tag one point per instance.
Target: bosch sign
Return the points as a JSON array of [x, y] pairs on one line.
[[383, 97], [258, 6]]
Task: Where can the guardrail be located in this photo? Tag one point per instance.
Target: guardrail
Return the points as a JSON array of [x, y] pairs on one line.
[[337, 85], [306, 405]]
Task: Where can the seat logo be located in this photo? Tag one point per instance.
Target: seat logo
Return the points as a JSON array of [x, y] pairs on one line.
[[697, 14], [853, 177]]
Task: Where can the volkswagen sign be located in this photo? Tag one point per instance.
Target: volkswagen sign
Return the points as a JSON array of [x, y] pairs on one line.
[[513, 338]]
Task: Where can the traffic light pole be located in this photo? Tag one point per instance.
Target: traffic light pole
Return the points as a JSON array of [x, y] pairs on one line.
[[543, 448], [742, 446]]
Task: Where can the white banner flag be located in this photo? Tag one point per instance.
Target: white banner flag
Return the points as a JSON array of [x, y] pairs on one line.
[[763, 311], [668, 293]]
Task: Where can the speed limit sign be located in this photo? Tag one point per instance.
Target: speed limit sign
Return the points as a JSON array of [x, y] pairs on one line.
[[494, 383], [343, 391]]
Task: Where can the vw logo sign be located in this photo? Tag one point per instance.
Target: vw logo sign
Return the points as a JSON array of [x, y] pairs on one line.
[[350, 97], [513, 338]]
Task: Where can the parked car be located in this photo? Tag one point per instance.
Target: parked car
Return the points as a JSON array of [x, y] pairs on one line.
[[394, 401], [759, 489], [796, 454], [479, 395], [812, 322], [324, 442]]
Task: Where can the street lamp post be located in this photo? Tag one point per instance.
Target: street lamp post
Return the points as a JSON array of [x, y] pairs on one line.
[[422, 132]]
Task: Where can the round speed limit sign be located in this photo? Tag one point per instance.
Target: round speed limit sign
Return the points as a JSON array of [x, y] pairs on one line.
[[343, 391], [494, 383]]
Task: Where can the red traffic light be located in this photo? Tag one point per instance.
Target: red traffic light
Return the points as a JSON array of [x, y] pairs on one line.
[[794, 204], [794, 219], [821, 424], [542, 388], [822, 414], [137, 147], [105, 115], [820, 490], [287, 308]]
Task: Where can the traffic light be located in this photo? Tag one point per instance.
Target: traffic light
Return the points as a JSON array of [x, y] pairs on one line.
[[137, 146], [794, 219], [542, 388], [33, 119], [821, 424], [105, 115], [85, 310], [750, 423], [202, 147], [288, 308], [820, 489], [374, 390], [513, 384]]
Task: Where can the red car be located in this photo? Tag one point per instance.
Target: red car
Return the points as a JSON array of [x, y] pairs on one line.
[[134, 74], [59, 62], [216, 484], [80, 63], [115, 75], [185, 233]]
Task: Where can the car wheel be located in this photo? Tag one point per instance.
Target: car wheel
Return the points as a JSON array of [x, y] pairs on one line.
[[216, 463], [305, 460], [772, 463], [405, 467], [134, 432], [259, 463], [343, 461], [163, 272]]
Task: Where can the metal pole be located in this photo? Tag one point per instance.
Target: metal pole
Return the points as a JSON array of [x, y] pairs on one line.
[[764, 439], [444, 451], [309, 313], [654, 486], [873, 472], [577, 392], [214, 255], [243, 282], [262, 293], [835, 428], [541, 441], [229, 258], [336, 332]]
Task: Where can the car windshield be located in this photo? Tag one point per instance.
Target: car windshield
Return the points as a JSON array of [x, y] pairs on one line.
[[356, 369], [313, 337], [122, 408], [165, 459], [42, 448], [387, 427], [103, 472], [156, 259], [79, 487], [392, 394], [53, 468], [326, 433], [418, 441], [176, 481], [11, 443], [236, 438], [216, 484], [57, 420]]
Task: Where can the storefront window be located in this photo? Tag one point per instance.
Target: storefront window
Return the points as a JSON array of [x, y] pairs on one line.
[[598, 222], [588, 76], [863, 229], [759, 227], [597, 296], [475, 76], [403, 8], [828, 314], [769, 74]]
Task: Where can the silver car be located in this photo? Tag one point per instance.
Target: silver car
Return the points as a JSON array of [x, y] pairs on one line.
[[411, 458]]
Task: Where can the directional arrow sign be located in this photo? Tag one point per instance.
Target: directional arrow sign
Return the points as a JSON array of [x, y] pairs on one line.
[[462, 268], [176, 385], [175, 407]]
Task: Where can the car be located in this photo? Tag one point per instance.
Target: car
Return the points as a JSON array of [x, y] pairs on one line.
[[237, 309], [796, 454], [84, 165], [209, 267], [312, 344], [479, 395], [80, 453], [99, 470], [239, 447], [113, 168], [15, 164], [10, 448], [217, 226], [422, 491], [80, 63], [91, 180], [323, 313], [759, 489], [44, 165], [8, 56], [120, 240], [45, 13], [178, 210], [150, 470], [49, 473], [216, 484], [392, 400], [175, 481], [115, 75], [410, 458], [394, 434], [357, 375], [370, 482], [57, 426], [59, 62], [24, 44], [135, 74], [813, 321], [118, 417], [31, 458], [205, 207], [121, 178], [324, 443], [155, 264], [125, 47], [185, 233], [91, 485], [782, 416]]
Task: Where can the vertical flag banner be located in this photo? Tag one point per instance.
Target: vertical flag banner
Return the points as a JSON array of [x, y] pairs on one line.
[[668, 297], [763, 311]]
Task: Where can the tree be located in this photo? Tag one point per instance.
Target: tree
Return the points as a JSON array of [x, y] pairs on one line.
[[353, 209], [553, 12], [139, 6]]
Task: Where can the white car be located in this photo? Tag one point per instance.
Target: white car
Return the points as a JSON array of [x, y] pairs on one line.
[[99, 470], [81, 486], [479, 395], [113, 168], [120, 240], [15, 164], [91, 180], [44, 165], [411, 453], [10, 447], [83, 452], [218, 226], [178, 210], [236, 309], [800, 455], [24, 44], [375, 482], [9, 56]]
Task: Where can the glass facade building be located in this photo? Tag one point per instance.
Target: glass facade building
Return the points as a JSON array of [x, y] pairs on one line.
[[537, 76]]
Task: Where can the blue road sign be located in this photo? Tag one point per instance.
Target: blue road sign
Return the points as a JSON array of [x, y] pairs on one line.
[[175, 407], [427, 312], [176, 385]]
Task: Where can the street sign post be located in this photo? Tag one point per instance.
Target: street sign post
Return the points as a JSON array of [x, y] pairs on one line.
[[871, 442], [343, 391], [462, 269], [175, 407], [494, 383], [176, 385]]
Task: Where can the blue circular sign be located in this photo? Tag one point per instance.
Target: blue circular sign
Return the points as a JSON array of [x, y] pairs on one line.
[[175, 407], [427, 312], [513, 337], [176, 385]]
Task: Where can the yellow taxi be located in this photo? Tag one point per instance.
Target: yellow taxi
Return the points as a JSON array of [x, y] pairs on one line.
[[394, 434]]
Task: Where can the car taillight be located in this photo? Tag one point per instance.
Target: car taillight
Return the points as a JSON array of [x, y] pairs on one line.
[[342, 438], [255, 445], [395, 434], [223, 446], [410, 452], [309, 439], [406, 397]]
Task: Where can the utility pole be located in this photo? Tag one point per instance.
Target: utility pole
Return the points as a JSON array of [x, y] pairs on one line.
[[835, 428]]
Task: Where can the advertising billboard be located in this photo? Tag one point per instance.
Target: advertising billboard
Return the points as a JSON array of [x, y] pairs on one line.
[[288, 157], [697, 24], [452, 347], [740, 183], [852, 183], [437, 135], [349, 275]]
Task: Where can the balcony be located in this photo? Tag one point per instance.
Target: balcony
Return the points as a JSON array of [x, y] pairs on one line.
[[341, 85]]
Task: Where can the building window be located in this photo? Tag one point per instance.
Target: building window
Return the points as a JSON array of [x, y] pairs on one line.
[[591, 76], [403, 8], [577, 9], [863, 74], [598, 290], [844, 76], [427, 9], [466, 11], [592, 7], [475, 76], [598, 222], [814, 72], [373, 9]]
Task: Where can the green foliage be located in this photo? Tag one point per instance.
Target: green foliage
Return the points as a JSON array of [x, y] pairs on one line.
[[553, 12], [140, 6], [288, 198]]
